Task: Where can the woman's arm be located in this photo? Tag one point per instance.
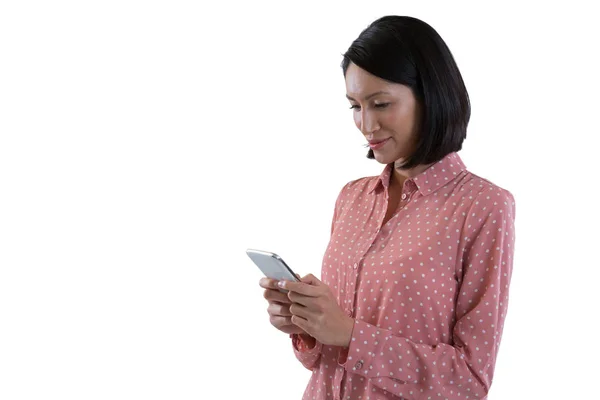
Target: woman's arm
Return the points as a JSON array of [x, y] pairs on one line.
[[465, 368], [306, 348]]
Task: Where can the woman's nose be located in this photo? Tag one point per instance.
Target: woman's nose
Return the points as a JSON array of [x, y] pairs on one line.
[[368, 123]]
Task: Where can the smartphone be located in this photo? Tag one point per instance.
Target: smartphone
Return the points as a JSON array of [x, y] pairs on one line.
[[272, 266]]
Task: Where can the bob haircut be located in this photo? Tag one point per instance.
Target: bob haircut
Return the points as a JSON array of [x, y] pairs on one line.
[[408, 51]]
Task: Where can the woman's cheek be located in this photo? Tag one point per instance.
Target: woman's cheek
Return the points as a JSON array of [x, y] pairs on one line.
[[356, 117]]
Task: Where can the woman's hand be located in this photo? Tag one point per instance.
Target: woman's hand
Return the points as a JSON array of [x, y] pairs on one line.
[[279, 307], [316, 310]]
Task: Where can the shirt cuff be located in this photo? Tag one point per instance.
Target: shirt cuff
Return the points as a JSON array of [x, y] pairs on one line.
[[299, 344], [358, 357]]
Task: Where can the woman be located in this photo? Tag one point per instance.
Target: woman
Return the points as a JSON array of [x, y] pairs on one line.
[[415, 279]]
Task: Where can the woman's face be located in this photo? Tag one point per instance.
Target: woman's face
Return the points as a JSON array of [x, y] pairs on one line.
[[383, 111]]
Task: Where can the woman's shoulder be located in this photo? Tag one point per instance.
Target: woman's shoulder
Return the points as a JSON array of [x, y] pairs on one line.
[[485, 191], [359, 185], [355, 190]]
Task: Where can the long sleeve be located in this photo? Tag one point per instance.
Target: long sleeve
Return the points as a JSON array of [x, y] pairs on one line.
[[464, 368], [310, 357]]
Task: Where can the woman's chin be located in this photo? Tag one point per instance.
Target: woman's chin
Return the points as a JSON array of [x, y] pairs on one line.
[[383, 157]]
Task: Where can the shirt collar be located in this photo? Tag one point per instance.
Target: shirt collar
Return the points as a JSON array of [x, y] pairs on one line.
[[428, 181]]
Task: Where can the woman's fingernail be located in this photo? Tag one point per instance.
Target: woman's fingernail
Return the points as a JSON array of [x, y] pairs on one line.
[[281, 284]]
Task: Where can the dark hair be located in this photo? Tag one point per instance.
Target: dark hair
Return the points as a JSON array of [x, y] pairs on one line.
[[408, 51]]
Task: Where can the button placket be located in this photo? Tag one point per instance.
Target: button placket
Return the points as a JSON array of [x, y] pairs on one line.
[[351, 288]]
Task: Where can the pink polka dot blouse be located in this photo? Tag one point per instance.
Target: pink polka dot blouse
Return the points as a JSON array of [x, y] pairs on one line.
[[428, 290]]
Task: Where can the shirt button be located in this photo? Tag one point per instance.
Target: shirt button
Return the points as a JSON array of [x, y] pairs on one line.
[[349, 313], [358, 365], [355, 266], [403, 196]]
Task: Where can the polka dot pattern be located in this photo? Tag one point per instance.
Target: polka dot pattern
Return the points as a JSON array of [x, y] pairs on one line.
[[428, 289]]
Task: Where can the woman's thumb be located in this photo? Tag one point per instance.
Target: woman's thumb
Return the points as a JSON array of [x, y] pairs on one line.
[[311, 280]]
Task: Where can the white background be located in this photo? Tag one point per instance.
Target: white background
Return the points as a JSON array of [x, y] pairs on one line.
[[145, 145]]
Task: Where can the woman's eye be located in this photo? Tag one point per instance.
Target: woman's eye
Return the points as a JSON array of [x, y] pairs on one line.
[[382, 105]]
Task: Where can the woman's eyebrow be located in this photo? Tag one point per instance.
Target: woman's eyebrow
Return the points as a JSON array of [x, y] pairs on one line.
[[369, 96]]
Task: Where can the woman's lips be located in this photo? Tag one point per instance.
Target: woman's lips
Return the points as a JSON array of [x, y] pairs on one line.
[[377, 145]]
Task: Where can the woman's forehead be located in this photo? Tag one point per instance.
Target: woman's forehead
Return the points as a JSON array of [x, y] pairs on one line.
[[361, 83]]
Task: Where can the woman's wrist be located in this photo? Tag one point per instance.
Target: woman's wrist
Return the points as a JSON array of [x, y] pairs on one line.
[[347, 333]]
